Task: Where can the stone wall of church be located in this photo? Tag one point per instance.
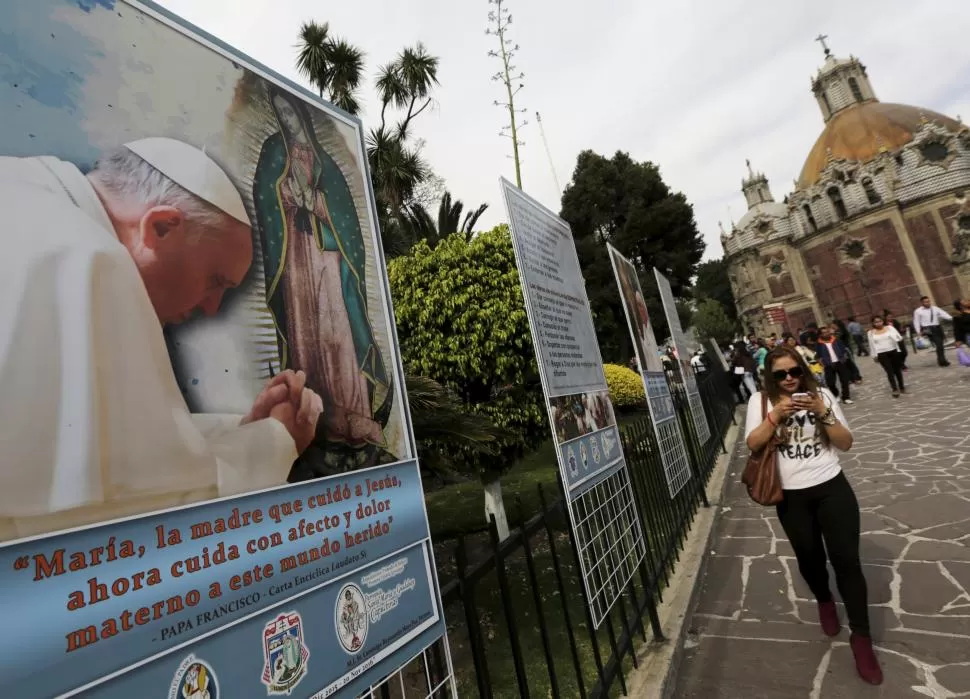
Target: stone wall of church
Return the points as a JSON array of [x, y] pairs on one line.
[[934, 258], [861, 271]]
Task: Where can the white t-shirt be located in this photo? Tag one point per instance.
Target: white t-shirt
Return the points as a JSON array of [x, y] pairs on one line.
[[885, 342], [804, 461]]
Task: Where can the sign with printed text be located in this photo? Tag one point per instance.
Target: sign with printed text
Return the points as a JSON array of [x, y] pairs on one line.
[[213, 489], [662, 412], [701, 429], [584, 427]]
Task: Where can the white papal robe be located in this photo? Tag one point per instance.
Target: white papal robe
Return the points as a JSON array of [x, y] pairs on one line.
[[92, 423]]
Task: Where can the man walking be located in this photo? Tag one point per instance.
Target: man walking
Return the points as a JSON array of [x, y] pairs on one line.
[[835, 357], [926, 321], [859, 335]]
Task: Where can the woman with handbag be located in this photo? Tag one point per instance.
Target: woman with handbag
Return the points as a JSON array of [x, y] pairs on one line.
[[795, 431]]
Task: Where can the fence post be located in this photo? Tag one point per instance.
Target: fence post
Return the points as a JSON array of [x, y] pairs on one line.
[[467, 593], [503, 584], [537, 598]]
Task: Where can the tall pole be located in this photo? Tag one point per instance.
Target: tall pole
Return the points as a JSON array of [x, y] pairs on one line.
[[500, 18], [545, 144]]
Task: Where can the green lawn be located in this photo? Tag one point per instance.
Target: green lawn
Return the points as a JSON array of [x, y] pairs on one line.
[[460, 509]]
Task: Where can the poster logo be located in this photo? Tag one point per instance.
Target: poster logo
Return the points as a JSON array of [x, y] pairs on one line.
[[571, 460], [584, 454], [351, 618], [194, 680], [285, 654], [595, 448]]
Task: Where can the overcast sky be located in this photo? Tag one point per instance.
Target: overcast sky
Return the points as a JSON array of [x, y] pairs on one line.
[[696, 86]]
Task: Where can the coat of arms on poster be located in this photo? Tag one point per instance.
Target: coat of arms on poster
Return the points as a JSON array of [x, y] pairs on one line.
[[285, 654], [350, 618], [194, 679]]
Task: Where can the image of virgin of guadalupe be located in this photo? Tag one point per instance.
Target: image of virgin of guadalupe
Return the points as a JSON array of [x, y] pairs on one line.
[[314, 259]]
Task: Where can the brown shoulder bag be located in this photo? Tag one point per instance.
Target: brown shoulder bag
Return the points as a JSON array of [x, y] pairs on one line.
[[761, 472]]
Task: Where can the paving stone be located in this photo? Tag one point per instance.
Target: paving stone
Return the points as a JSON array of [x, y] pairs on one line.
[[924, 589], [766, 596], [954, 678]]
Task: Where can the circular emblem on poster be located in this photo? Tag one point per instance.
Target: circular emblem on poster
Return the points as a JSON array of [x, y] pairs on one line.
[[351, 618], [194, 679]]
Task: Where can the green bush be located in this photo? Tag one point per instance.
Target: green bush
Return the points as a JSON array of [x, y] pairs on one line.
[[626, 387], [461, 321]]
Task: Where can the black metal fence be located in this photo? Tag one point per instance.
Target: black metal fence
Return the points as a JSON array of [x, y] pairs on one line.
[[519, 625]]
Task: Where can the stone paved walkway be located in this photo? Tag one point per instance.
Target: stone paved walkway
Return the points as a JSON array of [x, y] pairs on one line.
[[755, 631]]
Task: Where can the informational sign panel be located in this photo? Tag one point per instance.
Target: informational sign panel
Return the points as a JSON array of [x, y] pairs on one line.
[[209, 484], [591, 462], [686, 371], [673, 451]]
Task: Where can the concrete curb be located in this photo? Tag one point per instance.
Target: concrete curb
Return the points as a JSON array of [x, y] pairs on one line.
[[656, 675]]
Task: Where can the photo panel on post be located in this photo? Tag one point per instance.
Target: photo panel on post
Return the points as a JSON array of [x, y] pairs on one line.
[[209, 483], [602, 509], [684, 369], [673, 450]]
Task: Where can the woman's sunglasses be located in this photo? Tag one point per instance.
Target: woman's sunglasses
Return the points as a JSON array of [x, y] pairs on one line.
[[795, 372]]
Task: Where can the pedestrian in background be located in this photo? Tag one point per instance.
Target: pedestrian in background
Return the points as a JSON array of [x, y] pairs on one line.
[[961, 323], [926, 321], [834, 356], [884, 341], [819, 511], [890, 319], [858, 335]]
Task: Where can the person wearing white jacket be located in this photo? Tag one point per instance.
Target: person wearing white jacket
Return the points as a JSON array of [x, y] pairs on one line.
[[93, 426], [884, 344]]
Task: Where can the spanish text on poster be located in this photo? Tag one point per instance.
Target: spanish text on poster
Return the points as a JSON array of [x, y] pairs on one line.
[[206, 437], [684, 369], [666, 426], [591, 461]]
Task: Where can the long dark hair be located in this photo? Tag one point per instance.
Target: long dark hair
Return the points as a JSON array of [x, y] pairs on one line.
[[807, 384]]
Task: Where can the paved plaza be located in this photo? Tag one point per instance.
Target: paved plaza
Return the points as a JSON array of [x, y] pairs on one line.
[[755, 631]]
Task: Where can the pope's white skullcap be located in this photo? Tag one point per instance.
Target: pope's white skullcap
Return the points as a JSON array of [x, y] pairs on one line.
[[194, 171]]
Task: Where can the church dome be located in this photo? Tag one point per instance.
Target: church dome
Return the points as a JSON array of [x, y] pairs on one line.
[[860, 132]]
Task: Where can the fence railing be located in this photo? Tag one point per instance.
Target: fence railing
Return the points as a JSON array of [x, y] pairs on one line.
[[519, 623]]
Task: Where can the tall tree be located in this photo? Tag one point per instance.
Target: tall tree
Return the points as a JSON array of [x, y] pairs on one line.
[[627, 204], [712, 321], [404, 86], [712, 283]]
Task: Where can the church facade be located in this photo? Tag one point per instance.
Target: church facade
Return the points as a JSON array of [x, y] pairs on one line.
[[879, 216]]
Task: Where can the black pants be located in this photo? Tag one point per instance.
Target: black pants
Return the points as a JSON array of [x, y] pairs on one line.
[[892, 364], [829, 513], [860, 344], [935, 333], [840, 370]]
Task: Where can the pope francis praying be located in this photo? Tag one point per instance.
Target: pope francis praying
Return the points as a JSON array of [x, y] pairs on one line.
[[92, 423]]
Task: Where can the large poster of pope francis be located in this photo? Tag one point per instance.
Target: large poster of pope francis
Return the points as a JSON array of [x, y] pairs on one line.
[[193, 301]]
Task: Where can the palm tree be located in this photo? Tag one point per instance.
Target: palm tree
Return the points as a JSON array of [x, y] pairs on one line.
[[334, 66], [417, 222], [442, 424]]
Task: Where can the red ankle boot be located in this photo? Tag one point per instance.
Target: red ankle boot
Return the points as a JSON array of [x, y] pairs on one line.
[[866, 663], [828, 617]]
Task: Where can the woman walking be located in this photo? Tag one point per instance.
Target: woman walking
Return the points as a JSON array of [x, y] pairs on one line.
[[819, 511], [743, 366], [884, 341], [891, 321]]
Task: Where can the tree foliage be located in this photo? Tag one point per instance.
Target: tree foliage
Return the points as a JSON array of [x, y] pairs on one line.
[[417, 223], [627, 204], [404, 86], [711, 321], [713, 283], [462, 322]]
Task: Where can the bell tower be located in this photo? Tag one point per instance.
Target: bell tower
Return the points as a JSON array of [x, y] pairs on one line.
[[840, 83], [755, 188]]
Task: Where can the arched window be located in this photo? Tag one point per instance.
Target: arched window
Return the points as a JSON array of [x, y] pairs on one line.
[[811, 219], [871, 194], [835, 196], [856, 92]]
